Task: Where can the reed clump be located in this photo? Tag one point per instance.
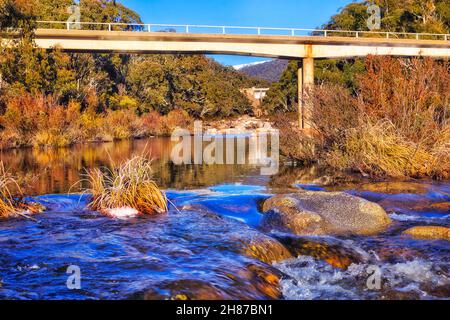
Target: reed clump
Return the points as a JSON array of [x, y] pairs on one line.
[[379, 150], [11, 198], [128, 185], [7, 202]]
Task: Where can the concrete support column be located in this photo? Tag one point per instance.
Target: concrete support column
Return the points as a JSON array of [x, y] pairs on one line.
[[300, 96], [308, 73], [305, 85]]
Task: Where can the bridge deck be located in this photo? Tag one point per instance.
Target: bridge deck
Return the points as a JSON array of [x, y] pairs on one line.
[[291, 47]]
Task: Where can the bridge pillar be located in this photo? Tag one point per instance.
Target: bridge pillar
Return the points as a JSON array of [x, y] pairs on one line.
[[305, 85], [301, 116]]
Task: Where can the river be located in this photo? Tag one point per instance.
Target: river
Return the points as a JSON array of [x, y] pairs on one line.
[[195, 251]]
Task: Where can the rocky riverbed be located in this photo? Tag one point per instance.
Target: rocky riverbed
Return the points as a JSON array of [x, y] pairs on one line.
[[221, 244]]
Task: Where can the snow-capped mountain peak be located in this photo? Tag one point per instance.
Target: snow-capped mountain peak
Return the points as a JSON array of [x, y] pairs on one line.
[[242, 66]]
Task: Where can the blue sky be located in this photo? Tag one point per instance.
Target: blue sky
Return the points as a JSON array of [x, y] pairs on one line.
[[262, 13]]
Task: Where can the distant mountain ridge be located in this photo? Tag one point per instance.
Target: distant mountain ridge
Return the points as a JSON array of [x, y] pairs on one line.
[[269, 70]]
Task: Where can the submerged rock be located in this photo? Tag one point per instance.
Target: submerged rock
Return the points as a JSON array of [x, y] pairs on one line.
[[440, 207], [250, 243], [253, 282], [429, 233], [31, 207], [324, 213], [266, 249], [185, 289], [396, 254], [395, 187], [332, 251]]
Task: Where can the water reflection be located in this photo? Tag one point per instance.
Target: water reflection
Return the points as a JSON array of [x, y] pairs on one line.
[[47, 171]]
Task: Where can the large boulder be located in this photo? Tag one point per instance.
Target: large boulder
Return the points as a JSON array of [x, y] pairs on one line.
[[324, 213]]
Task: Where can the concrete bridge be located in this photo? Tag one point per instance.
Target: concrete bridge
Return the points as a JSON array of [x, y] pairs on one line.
[[302, 44]]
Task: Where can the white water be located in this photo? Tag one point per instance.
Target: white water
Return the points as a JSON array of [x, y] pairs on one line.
[[122, 213], [312, 279]]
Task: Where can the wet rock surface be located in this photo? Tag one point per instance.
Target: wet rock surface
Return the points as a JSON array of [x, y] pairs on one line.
[[214, 248], [429, 233], [334, 252], [252, 282], [320, 213], [266, 249]]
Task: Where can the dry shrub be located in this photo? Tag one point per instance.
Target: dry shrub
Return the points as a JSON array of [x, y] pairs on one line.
[[397, 124], [11, 198], [335, 111], [379, 150], [7, 184], [90, 126], [176, 119], [441, 154], [153, 123], [412, 94], [294, 144], [127, 185], [20, 119], [37, 120], [123, 124]]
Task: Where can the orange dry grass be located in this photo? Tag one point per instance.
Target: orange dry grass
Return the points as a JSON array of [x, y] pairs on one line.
[[127, 185], [7, 203]]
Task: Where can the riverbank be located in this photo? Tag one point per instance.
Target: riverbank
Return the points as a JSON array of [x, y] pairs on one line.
[[39, 122]]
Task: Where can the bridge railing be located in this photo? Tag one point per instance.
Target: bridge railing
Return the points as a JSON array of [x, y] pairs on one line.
[[235, 30]]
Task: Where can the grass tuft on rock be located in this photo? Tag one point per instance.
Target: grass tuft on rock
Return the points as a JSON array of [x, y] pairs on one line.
[[11, 198], [7, 202], [129, 184]]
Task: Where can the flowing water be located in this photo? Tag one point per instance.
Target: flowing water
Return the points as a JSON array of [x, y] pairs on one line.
[[197, 250]]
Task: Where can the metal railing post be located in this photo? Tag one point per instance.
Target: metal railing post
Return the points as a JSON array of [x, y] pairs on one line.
[[325, 33], [109, 27], [293, 32], [223, 30], [149, 27], [387, 35], [357, 34], [187, 29], [259, 31]]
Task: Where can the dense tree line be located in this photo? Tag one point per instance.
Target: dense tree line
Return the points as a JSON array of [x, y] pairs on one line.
[[422, 16], [161, 83]]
